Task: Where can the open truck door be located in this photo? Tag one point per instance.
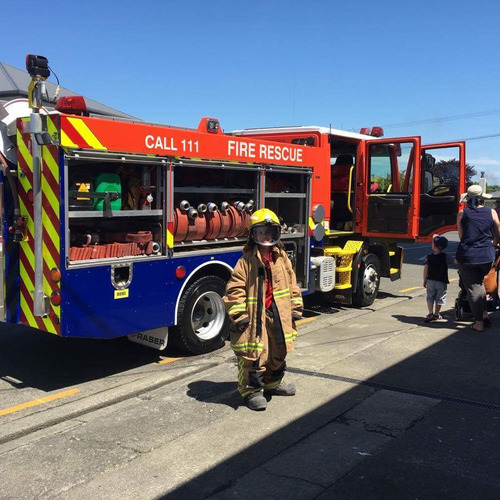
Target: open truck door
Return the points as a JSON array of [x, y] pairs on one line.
[[443, 179], [390, 207]]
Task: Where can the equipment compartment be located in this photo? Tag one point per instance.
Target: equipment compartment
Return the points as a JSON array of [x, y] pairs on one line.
[[286, 195], [212, 203], [115, 210]]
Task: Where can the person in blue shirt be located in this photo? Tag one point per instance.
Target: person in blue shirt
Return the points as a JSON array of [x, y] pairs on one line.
[[479, 230]]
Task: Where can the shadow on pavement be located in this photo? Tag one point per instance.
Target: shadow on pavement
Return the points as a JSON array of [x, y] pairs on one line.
[[447, 321], [223, 393], [450, 453], [31, 358]]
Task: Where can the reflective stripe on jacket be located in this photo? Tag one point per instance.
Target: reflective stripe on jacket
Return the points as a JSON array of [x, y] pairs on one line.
[[245, 301]]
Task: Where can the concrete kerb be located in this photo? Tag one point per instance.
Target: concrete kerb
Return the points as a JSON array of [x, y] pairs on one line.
[[53, 416], [58, 414]]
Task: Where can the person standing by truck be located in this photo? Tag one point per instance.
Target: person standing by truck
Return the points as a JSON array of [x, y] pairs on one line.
[[436, 278], [263, 302], [478, 229]]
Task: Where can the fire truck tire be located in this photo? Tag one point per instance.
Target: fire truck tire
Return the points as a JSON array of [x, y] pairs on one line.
[[368, 281], [202, 322]]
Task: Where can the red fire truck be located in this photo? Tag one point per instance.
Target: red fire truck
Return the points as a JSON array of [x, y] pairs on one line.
[[375, 192], [114, 227]]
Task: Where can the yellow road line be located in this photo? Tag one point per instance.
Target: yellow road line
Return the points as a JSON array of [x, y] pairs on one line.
[[168, 360], [40, 401], [453, 279], [412, 288], [306, 320]]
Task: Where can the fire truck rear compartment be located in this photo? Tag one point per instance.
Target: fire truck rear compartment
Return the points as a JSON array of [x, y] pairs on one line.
[[115, 211]]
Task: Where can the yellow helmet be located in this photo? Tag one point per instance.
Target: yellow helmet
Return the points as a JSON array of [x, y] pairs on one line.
[[260, 219], [263, 217]]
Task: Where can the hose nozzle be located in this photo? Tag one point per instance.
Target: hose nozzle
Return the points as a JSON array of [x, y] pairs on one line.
[[192, 212]]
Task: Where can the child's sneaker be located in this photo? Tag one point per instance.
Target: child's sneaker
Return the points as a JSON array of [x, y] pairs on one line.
[[437, 317], [429, 318]]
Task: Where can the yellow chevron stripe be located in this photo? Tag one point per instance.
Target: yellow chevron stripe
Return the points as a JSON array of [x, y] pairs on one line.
[[51, 197], [47, 257], [66, 141], [49, 228], [24, 210], [51, 127], [86, 133], [27, 312], [29, 254], [29, 286], [51, 163], [170, 239], [25, 183], [21, 146]]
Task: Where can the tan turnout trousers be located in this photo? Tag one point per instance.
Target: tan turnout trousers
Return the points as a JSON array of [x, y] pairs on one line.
[[266, 372]]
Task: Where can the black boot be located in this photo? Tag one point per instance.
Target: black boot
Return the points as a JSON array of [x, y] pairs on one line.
[[256, 401]]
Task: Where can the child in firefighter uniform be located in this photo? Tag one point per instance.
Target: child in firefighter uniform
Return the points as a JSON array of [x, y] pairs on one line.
[[263, 302]]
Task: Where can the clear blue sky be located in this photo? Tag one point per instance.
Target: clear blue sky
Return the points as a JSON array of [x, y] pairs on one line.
[[264, 63]]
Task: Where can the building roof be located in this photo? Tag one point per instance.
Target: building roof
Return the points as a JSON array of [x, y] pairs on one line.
[[14, 84]]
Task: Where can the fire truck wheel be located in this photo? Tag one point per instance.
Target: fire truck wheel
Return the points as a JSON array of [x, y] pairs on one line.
[[368, 281], [202, 322]]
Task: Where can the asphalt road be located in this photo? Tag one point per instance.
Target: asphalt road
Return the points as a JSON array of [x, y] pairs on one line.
[[387, 407], [38, 370]]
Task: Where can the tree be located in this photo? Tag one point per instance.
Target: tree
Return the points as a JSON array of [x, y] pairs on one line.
[[447, 171]]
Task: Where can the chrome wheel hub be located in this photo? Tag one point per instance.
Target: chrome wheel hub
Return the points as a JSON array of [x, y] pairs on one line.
[[370, 280], [208, 315]]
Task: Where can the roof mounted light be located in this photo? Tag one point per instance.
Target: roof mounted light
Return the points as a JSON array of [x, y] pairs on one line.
[[373, 131], [73, 105], [210, 125], [37, 66]]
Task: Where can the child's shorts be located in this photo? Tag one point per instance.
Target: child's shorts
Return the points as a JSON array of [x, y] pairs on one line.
[[436, 292]]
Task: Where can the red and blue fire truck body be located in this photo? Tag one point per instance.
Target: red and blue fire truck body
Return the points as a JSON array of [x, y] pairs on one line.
[[114, 227]]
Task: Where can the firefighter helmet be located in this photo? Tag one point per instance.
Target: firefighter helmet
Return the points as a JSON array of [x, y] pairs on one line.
[[265, 227]]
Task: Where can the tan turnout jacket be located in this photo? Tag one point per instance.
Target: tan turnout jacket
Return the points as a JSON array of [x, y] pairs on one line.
[[245, 302]]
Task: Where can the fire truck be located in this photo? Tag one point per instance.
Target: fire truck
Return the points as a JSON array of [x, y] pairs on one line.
[[114, 227]]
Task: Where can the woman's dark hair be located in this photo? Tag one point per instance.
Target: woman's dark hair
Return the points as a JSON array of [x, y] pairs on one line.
[[474, 202]]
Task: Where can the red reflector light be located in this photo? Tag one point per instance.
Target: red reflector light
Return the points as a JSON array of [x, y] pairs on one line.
[[55, 298], [71, 104], [31, 197], [180, 272]]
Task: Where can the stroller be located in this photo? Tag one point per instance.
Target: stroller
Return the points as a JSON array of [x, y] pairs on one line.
[[462, 308]]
